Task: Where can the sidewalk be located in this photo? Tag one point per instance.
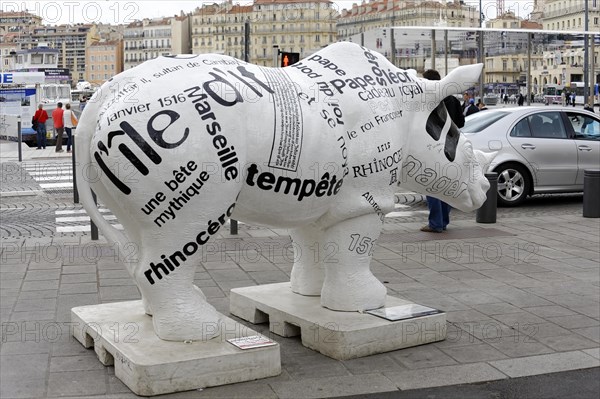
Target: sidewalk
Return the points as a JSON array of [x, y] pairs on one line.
[[9, 152], [522, 298]]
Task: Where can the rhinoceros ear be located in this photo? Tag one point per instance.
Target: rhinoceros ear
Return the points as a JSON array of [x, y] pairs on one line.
[[459, 80]]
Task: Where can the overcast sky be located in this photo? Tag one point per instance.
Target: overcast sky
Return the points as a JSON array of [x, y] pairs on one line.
[[125, 11]]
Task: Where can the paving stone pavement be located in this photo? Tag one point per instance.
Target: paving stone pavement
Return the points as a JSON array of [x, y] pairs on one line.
[[521, 301], [522, 298]]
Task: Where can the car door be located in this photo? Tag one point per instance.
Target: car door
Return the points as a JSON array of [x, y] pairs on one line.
[[552, 155], [586, 131]]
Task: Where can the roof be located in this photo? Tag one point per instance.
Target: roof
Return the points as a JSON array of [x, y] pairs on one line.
[[261, 2]]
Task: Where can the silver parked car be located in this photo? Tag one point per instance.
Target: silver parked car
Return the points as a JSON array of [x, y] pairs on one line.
[[540, 149]]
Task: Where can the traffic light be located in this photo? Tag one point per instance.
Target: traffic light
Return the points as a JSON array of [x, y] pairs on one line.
[[288, 59]]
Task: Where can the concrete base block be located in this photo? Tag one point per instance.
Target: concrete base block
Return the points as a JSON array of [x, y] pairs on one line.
[[122, 335], [340, 335]]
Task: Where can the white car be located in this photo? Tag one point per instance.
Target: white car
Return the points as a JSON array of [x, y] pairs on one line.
[[540, 149]]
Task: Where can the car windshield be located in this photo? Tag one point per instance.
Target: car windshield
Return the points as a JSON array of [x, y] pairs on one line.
[[479, 121]]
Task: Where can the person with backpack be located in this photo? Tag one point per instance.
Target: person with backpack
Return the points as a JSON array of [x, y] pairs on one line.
[[39, 120]]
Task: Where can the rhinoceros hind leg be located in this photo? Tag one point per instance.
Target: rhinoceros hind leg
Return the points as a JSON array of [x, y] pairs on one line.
[[349, 283], [179, 309], [308, 273]]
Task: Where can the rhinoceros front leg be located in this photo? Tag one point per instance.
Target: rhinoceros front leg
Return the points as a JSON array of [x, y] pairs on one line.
[[307, 273], [349, 283], [179, 309]]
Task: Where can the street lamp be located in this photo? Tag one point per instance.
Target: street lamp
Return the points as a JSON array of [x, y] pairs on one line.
[[586, 59]]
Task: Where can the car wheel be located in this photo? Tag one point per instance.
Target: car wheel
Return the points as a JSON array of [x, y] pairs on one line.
[[514, 184]]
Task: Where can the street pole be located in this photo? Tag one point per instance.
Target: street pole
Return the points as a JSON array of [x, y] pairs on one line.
[[586, 55], [393, 41], [247, 40], [481, 77], [433, 49], [445, 52], [529, 68], [275, 55], [593, 72]]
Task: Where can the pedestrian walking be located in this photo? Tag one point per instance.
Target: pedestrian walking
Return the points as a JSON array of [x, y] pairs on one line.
[[69, 121], [59, 125]]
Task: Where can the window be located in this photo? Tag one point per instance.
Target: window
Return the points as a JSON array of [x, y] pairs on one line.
[[547, 125], [585, 127], [521, 129]]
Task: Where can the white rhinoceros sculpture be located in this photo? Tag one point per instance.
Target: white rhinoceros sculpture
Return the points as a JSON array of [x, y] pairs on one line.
[[178, 145]]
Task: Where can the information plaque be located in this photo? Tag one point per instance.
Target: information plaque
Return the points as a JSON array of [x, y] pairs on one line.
[[253, 341], [404, 312]]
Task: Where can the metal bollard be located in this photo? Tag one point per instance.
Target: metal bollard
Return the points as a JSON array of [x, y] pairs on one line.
[[93, 227], [487, 212], [75, 192], [591, 193], [19, 139]]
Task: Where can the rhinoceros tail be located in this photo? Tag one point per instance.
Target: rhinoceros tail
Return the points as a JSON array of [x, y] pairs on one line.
[[86, 170]]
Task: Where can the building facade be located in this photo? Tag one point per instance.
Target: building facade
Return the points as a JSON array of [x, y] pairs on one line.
[[299, 26], [17, 22], [70, 40], [150, 38], [220, 28], [386, 13], [104, 59], [565, 65], [570, 15]]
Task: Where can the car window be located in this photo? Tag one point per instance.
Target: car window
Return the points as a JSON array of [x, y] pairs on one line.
[[547, 125], [521, 129], [479, 121], [584, 126]]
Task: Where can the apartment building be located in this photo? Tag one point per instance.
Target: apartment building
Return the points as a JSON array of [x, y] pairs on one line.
[[70, 40], [376, 14], [570, 15], [104, 59], [220, 28], [150, 38], [15, 22], [300, 26], [565, 65]]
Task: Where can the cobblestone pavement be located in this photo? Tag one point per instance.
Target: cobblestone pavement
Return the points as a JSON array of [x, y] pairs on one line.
[[522, 298]]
